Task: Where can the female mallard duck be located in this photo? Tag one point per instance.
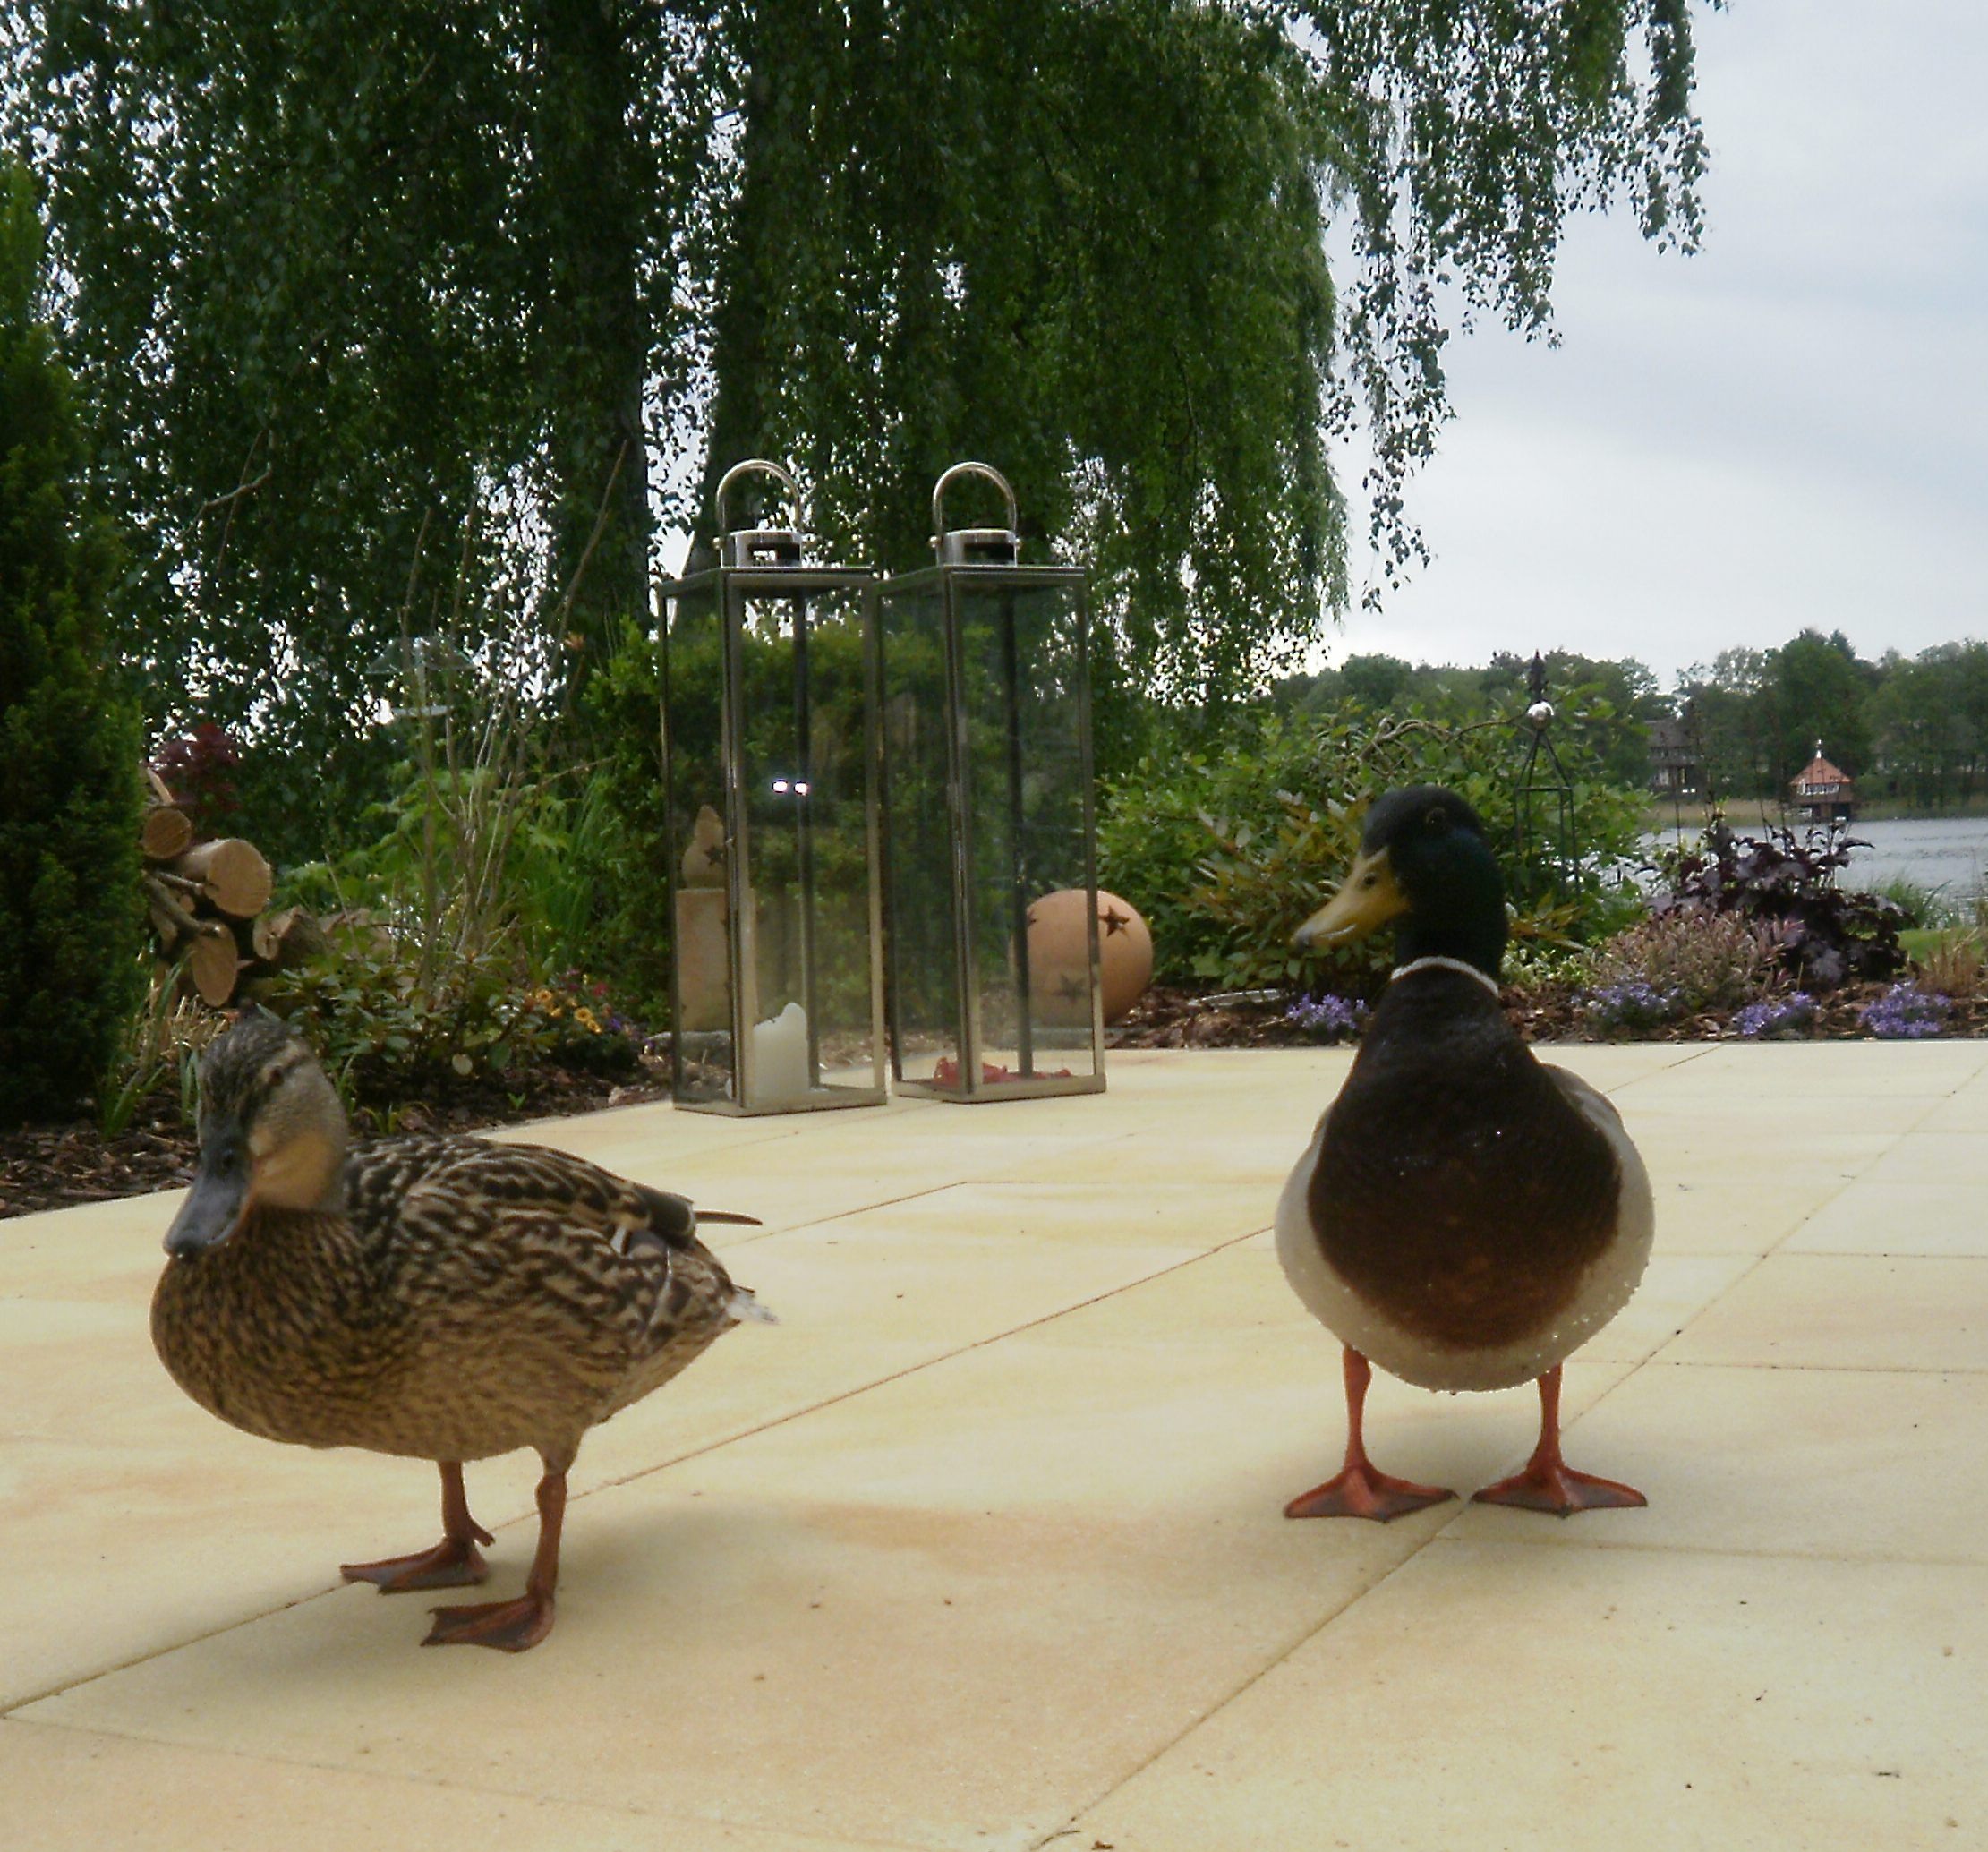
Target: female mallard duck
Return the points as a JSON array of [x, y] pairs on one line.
[[1466, 1216], [444, 1298]]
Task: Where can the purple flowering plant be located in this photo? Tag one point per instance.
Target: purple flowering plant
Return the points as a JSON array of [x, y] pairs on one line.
[[1777, 1016], [1329, 1017], [1905, 1013], [1630, 1004]]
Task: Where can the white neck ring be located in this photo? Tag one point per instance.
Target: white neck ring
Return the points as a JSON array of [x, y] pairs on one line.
[[1436, 963]]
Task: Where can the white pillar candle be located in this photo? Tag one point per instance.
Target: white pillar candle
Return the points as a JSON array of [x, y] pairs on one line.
[[780, 1056]]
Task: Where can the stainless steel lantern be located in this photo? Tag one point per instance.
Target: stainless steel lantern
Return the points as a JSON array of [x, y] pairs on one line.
[[991, 883], [768, 714]]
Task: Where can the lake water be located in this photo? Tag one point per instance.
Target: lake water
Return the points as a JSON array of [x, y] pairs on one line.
[[1931, 852]]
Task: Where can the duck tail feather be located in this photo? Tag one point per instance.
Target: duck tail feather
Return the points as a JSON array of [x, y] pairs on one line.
[[727, 1215], [745, 1309]]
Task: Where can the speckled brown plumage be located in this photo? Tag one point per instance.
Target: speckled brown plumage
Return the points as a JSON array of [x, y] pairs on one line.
[[473, 1298], [444, 1298]]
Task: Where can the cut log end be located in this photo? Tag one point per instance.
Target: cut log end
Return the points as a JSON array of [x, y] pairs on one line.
[[166, 833], [215, 963], [232, 873]]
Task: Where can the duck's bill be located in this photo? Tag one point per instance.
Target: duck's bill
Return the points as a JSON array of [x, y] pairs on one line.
[[211, 1212], [1368, 898]]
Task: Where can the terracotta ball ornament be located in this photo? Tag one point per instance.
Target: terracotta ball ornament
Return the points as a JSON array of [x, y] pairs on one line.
[[1057, 954]]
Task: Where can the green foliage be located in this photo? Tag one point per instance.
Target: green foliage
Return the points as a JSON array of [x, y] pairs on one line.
[[1606, 706], [385, 1033], [612, 910], [70, 914], [1227, 853], [395, 266]]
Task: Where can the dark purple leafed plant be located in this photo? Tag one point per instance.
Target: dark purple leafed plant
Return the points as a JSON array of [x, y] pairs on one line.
[[1329, 1017], [1785, 885], [1905, 1014]]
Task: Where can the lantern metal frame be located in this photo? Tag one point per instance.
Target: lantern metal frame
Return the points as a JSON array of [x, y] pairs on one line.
[[759, 564], [973, 561]]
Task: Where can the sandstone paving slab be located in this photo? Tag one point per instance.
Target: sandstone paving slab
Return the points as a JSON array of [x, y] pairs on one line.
[[1966, 1110], [1934, 1157], [1870, 1465], [1494, 1697], [1790, 1068], [949, 1610], [1708, 1207], [1873, 1217], [214, 1525], [1013, 1379], [1847, 1311], [78, 1791]]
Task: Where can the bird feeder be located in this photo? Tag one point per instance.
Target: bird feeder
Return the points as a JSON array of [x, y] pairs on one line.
[[991, 880], [768, 713]]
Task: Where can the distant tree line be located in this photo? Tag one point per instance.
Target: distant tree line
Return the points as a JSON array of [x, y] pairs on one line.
[[1914, 728]]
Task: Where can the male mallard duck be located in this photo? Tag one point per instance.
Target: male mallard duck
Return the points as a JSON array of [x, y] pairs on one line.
[[1466, 1215], [445, 1298]]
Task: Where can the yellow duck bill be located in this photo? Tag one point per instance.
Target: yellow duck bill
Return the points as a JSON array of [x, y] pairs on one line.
[[1367, 900]]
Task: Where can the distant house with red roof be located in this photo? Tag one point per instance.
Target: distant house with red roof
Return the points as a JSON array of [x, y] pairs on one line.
[[1822, 792]]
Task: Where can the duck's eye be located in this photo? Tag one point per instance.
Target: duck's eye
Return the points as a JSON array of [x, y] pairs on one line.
[[1370, 880]]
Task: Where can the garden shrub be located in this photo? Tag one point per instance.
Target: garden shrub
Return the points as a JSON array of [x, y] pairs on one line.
[[71, 917], [1784, 885], [1710, 962], [1227, 853]]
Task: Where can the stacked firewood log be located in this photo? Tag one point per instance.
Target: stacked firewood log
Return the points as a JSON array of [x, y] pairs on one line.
[[206, 903]]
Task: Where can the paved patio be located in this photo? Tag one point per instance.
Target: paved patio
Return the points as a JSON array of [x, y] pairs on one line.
[[981, 1546]]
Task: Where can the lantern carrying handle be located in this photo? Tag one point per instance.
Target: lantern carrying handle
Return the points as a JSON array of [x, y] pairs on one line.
[[760, 465], [991, 473]]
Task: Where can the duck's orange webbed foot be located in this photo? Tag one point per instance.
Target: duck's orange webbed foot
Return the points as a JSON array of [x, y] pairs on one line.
[[1357, 1491], [1360, 1492], [1556, 1487], [1548, 1483], [510, 1626], [453, 1563]]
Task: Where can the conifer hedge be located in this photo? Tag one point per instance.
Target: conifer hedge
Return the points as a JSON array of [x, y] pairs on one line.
[[70, 744]]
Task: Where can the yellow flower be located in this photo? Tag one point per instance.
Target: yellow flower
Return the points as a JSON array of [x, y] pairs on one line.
[[585, 1016]]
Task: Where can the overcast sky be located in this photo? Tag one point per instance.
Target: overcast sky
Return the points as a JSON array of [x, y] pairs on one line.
[[1789, 428]]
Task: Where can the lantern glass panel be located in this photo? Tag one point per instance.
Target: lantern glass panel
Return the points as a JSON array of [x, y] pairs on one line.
[[1033, 982], [771, 831], [925, 995], [699, 830], [803, 764]]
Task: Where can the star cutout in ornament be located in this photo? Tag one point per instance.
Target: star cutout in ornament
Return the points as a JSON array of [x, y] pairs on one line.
[[1070, 986], [1113, 921]]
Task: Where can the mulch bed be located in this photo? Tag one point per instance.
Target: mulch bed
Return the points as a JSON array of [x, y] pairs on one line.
[[1182, 1018], [54, 1166]]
